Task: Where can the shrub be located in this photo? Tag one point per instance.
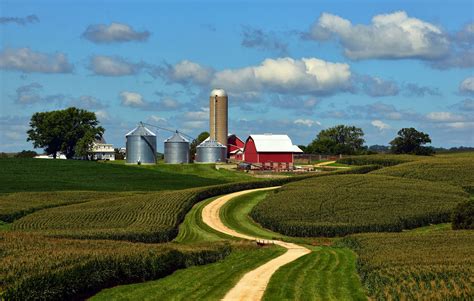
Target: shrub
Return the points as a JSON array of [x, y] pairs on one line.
[[463, 215]]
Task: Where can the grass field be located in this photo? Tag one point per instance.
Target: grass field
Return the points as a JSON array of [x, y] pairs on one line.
[[435, 265], [32, 175], [209, 282], [33, 267], [325, 274], [343, 204]]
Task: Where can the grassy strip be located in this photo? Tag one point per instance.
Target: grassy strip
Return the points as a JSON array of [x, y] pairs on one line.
[[380, 159], [415, 266], [33, 267], [340, 205], [325, 274], [59, 175], [194, 230], [209, 282]]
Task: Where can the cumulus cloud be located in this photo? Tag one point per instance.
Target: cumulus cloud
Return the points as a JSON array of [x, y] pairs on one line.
[[28, 94], [379, 124], [136, 100], [20, 20], [420, 91], [102, 115], [389, 36], [27, 60], [377, 87], [287, 75], [379, 111], [113, 66], [259, 39], [114, 33], [465, 105], [306, 122], [445, 117], [465, 37], [299, 104], [185, 72], [86, 102], [467, 86]]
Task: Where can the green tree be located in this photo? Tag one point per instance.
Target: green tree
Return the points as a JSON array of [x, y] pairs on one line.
[[26, 154], [62, 130], [200, 138], [411, 141], [341, 139], [463, 216]]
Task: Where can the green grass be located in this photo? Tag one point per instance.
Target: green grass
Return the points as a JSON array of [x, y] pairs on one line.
[[194, 230], [32, 175], [209, 282], [325, 274], [4, 226], [432, 228], [344, 204], [437, 265]]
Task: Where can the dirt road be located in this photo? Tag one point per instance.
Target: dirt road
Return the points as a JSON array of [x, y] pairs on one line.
[[253, 284]]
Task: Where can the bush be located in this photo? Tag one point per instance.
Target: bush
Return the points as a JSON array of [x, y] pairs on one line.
[[463, 215], [26, 154]]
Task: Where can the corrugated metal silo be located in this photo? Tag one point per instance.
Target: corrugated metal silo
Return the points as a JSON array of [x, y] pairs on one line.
[[211, 151], [176, 149], [141, 146]]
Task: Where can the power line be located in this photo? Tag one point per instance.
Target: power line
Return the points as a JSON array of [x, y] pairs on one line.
[[169, 130]]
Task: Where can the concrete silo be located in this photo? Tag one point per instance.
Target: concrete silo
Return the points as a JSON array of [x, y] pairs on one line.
[[176, 149], [141, 146], [218, 118]]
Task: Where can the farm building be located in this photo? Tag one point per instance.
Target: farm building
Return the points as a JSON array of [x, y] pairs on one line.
[[235, 147], [269, 149], [102, 151]]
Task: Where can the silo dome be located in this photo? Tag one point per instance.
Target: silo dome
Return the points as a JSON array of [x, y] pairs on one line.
[[219, 92], [211, 151], [176, 149], [141, 146]]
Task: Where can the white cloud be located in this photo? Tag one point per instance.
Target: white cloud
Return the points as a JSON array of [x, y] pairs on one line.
[[112, 66], [157, 119], [27, 60], [102, 115], [113, 33], [380, 125], [306, 122], [467, 86], [187, 71], [287, 75], [390, 36], [201, 115], [444, 117], [132, 99]]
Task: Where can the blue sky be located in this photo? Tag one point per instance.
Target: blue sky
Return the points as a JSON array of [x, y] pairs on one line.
[[292, 67]]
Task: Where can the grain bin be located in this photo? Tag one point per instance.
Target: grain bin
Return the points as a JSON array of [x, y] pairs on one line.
[[141, 146], [176, 149], [211, 151], [218, 115]]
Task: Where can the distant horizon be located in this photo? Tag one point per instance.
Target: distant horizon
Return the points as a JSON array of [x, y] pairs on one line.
[[289, 67]]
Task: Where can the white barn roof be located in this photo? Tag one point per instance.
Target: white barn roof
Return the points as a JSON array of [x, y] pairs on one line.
[[274, 143]]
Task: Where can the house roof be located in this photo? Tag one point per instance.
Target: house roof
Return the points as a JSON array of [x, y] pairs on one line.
[[274, 143]]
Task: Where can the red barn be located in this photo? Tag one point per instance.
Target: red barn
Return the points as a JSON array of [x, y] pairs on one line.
[[269, 148], [235, 147]]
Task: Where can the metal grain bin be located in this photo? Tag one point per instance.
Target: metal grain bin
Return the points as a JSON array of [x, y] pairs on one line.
[[141, 146], [211, 151], [176, 149]]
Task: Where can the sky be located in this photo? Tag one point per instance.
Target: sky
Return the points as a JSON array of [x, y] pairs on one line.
[[289, 67]]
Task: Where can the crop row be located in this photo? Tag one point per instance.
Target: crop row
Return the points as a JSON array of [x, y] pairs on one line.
[[344, 204], [454, 170], [413, 266], [151, 217], [33, 267]]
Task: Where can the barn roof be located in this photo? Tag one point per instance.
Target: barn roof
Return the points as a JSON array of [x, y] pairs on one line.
[[274, 143]]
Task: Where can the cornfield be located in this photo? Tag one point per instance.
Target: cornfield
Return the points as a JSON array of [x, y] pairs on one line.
[[33, 267], [383, 160], [344, 204], [414, 266]]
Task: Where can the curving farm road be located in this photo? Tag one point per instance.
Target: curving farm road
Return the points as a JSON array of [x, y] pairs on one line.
[[253, 284]]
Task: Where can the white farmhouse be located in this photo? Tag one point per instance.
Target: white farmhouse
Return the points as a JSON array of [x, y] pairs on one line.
[[103, 151]]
